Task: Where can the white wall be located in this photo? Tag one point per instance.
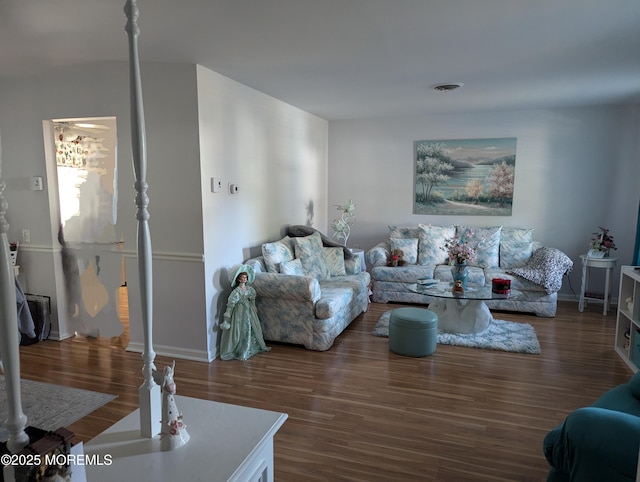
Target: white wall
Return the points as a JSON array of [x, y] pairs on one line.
[[576, 169], [198, 125], [173, 175], [276, 154]]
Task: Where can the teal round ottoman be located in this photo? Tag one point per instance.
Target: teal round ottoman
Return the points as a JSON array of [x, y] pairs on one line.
[[413, 331]]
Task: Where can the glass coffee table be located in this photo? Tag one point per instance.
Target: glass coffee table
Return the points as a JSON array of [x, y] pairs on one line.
[[461, 312]]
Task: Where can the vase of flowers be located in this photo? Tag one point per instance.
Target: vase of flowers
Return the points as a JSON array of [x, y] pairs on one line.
[[602, 241], [342, 225], [460, 253], [460, 273]]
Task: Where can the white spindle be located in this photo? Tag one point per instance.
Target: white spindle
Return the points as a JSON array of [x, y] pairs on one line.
[[9, 336], [150, 397]]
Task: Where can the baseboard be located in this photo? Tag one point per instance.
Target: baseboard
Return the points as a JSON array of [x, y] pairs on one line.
[[172, 352], [576, 298]]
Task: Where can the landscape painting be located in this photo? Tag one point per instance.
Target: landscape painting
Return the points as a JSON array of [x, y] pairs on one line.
[[465, 176]]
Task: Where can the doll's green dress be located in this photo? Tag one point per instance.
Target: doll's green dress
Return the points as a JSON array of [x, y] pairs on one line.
[[243, 337]]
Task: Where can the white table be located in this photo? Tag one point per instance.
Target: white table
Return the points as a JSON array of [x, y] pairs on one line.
[[603, 263], [228, 443], [464, 312], [359, 253]]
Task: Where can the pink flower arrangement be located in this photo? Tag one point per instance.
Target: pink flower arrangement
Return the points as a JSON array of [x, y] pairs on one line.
[[602, 240], [459, 251]]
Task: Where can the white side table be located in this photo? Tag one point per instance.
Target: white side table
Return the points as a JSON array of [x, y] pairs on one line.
[[228, 443], [606, 263], [359, 253]]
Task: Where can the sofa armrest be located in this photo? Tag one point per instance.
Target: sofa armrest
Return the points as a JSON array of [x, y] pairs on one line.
[[285, 286], [379, 255], [546, 267], [595, 444]]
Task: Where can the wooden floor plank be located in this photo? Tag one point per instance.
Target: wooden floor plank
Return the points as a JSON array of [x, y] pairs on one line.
[[360, 412]]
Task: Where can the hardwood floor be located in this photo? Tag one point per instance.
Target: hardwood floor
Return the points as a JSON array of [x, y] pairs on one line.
[[360, 412]]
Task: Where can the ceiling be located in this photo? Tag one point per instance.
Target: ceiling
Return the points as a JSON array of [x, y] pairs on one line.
[[345, 59]]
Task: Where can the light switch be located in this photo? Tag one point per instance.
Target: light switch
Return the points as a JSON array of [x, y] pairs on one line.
[[216, 184], [36, 183], [233, 188]]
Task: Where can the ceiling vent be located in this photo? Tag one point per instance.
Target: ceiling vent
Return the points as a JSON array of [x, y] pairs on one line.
[[448, 87]]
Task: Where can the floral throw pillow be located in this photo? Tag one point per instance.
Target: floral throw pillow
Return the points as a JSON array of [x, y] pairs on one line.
[[486, 242], [293, 267], [546, 267], [404, 232], [409, 247], [310, 252], [335, 261], [431, 249], [516, 246], [276, 253]]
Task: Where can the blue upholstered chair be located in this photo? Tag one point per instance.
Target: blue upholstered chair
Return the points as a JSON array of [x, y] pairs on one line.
[[599, 442]]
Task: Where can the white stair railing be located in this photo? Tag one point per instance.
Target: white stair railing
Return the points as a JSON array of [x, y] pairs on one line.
[[149, 392], [9, 336]]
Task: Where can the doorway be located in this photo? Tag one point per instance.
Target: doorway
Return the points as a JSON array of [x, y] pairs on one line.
[[84, 215]]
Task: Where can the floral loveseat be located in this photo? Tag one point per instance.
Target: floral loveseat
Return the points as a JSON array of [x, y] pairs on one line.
[[502, 252], [308, 288]]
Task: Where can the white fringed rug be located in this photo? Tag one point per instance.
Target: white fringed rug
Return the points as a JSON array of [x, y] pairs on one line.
[[501, 335], [49, 407]]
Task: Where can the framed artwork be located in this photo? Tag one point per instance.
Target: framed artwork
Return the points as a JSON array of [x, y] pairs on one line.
[[464, 176]]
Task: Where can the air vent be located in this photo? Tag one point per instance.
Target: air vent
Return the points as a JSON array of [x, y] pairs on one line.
[[447, 87]]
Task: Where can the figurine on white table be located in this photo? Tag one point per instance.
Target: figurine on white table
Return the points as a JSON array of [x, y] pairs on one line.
[[174, 431]]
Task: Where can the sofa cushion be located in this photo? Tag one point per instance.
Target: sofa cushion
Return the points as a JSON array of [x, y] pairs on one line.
[[404, 232], [546, 267], [293, 267], [335, 261], [310, 252], [431, 249], [516, 246], [476, 275], [517, 282], [409, 247], [486, 242], [334, 299], [276, 253], [406, 274]]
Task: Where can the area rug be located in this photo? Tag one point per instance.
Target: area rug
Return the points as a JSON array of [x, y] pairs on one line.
[[501, 335], [49, 407]]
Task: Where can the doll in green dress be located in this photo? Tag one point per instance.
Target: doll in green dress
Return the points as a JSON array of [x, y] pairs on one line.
[[241, 331]]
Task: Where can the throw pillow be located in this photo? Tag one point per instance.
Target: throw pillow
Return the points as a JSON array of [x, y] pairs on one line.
[[516, 246], [310, 252], [486, 242], [546, 267], [293, 267], [335, 261], [431, 248], [276, 253], [404, 232], [409, 246]]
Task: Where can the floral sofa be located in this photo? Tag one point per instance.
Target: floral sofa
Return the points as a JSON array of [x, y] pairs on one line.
[[308, 288], [502, 252]]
